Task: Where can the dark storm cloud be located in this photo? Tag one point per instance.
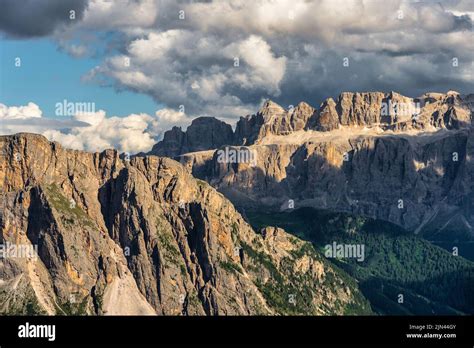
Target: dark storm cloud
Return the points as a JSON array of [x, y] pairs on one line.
[[34, 18], [287, 50], [323, 76], [291, 51]]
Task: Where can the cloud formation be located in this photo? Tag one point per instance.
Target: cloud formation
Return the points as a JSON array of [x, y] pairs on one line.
[[222, 57], [159, 65], [133, 133], [291, 51], [92, 131], [35, 18], [31, 110]]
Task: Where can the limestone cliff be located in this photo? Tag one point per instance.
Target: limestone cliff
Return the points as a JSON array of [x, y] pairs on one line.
[[204, 133], [423, 182], [142, 236], [380, 155], [388, 111], [376, 110]]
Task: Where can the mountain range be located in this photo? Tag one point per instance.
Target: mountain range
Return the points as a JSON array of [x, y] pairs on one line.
[[184, 231], [413, 170]]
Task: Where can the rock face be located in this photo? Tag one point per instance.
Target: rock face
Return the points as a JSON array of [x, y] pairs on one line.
[[393, 111], [422, 182], [364, 153], [386, 111], [359, 108], [326, 119], [204, 133], [143, 236], [272, 119]]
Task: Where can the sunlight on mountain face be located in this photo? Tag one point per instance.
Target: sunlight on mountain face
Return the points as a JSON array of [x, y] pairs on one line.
[[230, 158]]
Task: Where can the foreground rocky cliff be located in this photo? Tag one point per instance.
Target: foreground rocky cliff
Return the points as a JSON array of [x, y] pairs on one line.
[[112, 236]]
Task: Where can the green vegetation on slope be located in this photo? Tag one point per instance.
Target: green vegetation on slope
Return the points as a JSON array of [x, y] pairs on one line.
[[298, 293], [71, 213], [430, 279]]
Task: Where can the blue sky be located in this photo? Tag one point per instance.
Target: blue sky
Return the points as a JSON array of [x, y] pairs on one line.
[[183, 68], [48, 76]]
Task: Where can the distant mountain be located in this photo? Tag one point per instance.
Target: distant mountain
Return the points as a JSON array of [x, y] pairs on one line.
[[204, 133], [387, 111], [143, 236], [380, 155]]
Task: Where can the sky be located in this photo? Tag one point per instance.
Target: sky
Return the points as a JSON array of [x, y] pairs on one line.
[[48, 75], [143, 66]]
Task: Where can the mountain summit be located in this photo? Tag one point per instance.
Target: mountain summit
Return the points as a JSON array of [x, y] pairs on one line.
[[379, 155], [386, 111]]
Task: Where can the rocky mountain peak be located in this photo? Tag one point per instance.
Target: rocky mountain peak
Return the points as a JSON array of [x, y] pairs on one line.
[[302, 110], [326, 119], [204, 133], [206, 121], [387, 111], [142, 237], [270, 109]]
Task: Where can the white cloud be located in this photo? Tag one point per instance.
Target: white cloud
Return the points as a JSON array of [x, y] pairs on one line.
[[19, 112], [288, 49], [126, 134], [77, 51], [204, 74], [266, 71], [92, 118], [93, 131], [133, 133], [109, 14]]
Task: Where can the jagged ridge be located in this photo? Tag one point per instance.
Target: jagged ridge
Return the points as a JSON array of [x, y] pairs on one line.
[[388, 111], [144, 237]]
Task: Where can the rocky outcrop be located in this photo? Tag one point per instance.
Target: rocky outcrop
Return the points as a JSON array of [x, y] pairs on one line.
[[450, 111], [393, 111], [142, 236], [360, 109], [272, 119], [326, 119], [385, 111], [361, 153], [204, 133], [422, 182]]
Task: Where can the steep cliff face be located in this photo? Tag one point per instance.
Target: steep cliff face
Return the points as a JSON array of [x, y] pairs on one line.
[[204, 133], [326, 119], [381, 155], [272, 119], [393, 111], [388, 111], [359, 108], [420, 181], [143, 236]]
